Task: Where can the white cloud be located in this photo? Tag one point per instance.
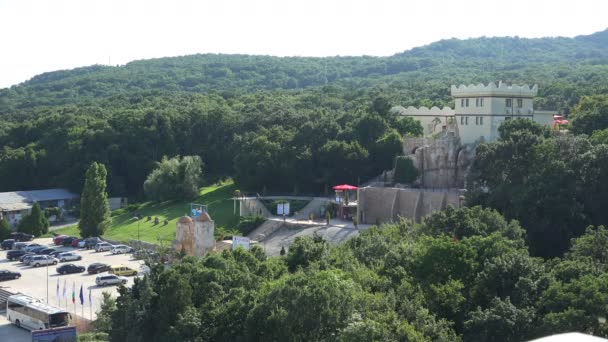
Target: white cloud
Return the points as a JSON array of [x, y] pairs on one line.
[[40, 36]]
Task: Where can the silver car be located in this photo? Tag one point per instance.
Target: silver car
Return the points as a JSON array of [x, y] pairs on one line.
[[110, 279], [121, 249], [103, 247], [42, 260], [68, 256]]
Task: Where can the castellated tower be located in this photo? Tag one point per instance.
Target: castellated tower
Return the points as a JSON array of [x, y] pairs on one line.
[[480, 109]]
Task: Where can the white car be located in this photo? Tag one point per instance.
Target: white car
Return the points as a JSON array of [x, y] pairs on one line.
[[102, 247], [68, 256], [42, 260], [110, 279], [121, 249], [81, 244]]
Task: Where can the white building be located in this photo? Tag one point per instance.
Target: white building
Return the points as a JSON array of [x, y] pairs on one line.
[[479, 110]]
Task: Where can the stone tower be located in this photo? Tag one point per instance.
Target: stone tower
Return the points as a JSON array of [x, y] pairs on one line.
[[194, 236]]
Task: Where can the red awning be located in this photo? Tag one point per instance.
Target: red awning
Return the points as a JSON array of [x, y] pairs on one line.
[[345, 187]]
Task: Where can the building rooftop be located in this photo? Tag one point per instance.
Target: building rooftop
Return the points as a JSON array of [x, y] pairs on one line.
[[18, 200]]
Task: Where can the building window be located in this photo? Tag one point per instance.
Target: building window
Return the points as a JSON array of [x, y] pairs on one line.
[[477, 120], [466, 101], [481, 120], [509, 103], [481, 102], [462, 120], [466, 120], [461, 102], [477, 102], [507, 118], [520, 103]]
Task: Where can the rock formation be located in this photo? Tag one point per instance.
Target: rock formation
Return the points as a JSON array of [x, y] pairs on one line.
[[442, 161], [194, 236]]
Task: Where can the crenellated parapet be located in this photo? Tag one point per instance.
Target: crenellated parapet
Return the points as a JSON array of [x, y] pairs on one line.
[[424, 111], [492, 89]]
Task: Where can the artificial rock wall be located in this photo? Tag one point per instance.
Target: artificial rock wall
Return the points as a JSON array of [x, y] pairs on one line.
[[442, 162], [194, 236], [379, 205]]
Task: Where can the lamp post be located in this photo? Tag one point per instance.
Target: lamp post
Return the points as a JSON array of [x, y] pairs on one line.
[[47, 279]]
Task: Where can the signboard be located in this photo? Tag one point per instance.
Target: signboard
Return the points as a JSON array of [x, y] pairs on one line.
[[240, 241], [66, 334], [283, 209]]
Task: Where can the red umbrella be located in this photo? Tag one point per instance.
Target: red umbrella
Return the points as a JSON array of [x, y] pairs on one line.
[[345, 187]]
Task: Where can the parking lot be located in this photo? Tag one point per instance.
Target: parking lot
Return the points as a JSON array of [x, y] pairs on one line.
[[33, 281]]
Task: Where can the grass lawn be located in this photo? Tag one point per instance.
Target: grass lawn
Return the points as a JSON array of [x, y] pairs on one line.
[[124, 227]]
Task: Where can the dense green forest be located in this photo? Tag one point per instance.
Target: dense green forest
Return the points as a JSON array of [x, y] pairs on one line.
[[265, 119], [464, 274]]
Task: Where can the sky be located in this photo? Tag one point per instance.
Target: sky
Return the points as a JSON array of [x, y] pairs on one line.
[[38, 36]]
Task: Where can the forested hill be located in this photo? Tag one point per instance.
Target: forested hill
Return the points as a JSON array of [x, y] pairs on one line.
[[564, 67]]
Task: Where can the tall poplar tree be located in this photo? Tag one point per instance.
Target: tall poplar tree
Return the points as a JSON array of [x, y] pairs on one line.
[[94, 208]]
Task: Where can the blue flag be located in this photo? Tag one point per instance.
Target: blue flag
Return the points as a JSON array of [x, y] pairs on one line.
[[81, 296]]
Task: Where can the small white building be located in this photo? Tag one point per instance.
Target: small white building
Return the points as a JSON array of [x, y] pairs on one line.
[[15, 204], [479, 110]]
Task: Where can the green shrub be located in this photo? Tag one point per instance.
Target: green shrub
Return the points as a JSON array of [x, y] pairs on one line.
[[93, 337], [405, 171], [248, 223]]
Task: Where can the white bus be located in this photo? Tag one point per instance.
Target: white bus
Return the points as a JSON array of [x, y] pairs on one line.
[[32, 314]]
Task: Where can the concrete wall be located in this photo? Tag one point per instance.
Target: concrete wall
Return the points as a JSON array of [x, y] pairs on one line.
[[251, 206], [379, 205]]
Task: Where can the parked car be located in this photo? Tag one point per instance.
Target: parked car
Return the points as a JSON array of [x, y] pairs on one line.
[[35, 249], [70, 268], [67, 241], [42, 260], [14, 254], [144, 254], [20, 245], [8, 244], [144, 269], [122, 270], [58, 239], [46, 251], [26, 258], [75, 243], [98, 268], [19, 236], [31, 246], [81, 243], [121, 249], [110, 279], [68, 256], [91, 242], [102, 247], [8, 275], [55, 253]]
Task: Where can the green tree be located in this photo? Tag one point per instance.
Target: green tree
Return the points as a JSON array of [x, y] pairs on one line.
[[305, 251], [5, 229], [500, 321], [94, 208], [35, 222], [175, 178], [590, 115], [405, 172], [103, 322]]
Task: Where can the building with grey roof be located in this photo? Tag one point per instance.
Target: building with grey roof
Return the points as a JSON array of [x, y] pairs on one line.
[[15, 204]]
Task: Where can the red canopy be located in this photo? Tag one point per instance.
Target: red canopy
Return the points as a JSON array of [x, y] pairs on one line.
[[345, 187]]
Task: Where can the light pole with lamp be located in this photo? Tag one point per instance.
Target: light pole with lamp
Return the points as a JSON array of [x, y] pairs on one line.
[[47, 279], [138, 239]]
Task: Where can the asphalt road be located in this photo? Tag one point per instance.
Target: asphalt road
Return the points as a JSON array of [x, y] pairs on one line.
[[33, 281], [9, 332]]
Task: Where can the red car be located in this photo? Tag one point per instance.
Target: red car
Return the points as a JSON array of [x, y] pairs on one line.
[[75, 242], [58, 239]]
